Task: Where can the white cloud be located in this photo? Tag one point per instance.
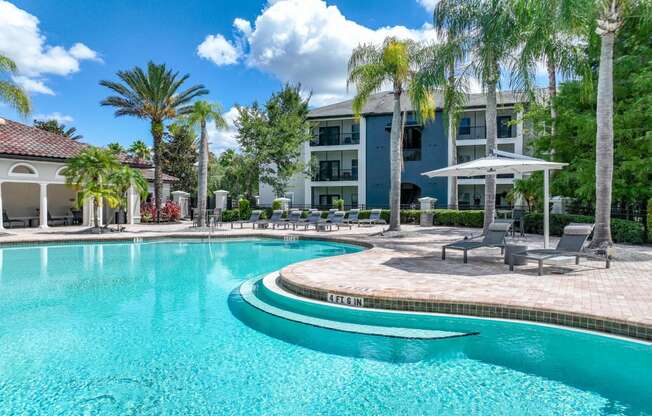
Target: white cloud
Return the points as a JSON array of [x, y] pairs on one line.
[[220, 140], [310, 42], [32, 85], [429, 5], [61, 118], [219, 50], [22, 41]]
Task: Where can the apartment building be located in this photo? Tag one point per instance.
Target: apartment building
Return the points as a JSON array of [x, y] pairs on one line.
[[350, 157]]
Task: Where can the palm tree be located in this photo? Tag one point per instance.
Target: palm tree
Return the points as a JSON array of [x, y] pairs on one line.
[[440, 70], [551, 31], [203, 112], [10, 93], [372, 66], [116, 148], [488, 32], [154, 95], [53, 126], [124, 178], [90, 173], [140, 150]]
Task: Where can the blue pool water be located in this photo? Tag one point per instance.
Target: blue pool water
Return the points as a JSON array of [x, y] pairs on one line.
[[159, 328]]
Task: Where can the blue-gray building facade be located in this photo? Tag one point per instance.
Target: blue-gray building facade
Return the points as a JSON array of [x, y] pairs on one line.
[[425, 148]]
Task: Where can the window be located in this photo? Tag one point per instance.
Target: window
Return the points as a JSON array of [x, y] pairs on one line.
[[354, 136], [22, 169], [329, 136], [412, 144], [504, 127], [465, 127], [329, 170], [354, 169]]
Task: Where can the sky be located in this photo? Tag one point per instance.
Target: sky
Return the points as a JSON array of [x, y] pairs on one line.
[[242, 51]]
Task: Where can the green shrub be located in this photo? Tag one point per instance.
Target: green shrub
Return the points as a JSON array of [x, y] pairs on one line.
[[455, 218], [230, 215], [276, 204], [244, 208], [622, 231], [339, 204]]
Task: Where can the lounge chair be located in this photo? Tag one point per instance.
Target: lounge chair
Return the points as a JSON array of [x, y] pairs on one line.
[[570, 244], [352, 218], [337, 221], [9, 222], [253, 219], [54, 221], [331, 213], [314, 218], [294, 219], [274, 220], [495, 237], [374, 218]]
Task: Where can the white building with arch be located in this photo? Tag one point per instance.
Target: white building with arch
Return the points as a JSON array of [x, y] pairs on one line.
[[33, 192]]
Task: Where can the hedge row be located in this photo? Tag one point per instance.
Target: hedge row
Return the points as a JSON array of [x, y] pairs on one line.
[[622, 231], [649, 220]]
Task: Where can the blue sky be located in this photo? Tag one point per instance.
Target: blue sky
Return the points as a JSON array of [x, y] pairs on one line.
[[293, 40], [241, 51]]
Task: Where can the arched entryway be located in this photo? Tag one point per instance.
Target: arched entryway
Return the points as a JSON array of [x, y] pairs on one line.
[[410, 193]]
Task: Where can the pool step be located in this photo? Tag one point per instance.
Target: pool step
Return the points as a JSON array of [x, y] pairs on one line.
[[248, 293]]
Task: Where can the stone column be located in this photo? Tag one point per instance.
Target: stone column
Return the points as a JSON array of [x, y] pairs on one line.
[[43, 214], [133, 206]]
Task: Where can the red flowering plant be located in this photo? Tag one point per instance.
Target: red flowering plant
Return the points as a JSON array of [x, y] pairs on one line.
[[171, 210]]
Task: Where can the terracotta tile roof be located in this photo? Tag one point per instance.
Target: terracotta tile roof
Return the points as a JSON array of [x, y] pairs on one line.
[[21, 140], [149, 175]]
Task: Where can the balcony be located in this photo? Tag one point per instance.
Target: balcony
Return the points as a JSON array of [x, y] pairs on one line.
[[335, 139], [480, 132], [341, 175]]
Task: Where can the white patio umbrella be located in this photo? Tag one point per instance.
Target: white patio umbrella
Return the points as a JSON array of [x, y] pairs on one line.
[[504, 162]]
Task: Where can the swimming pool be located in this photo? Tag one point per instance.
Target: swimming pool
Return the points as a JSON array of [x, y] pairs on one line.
[[160, 328]]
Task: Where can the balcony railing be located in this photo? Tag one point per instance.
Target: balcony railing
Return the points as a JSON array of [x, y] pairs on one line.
[[335, 139], [341, 175], [480, 133]]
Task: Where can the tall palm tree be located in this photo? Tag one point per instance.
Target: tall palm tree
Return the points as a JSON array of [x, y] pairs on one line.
[[90, 173], [372, 66], [154, 95], [124, 178], [10, 93], [53, 126], [488, 32], [440, 69], [551, 32], [115, 148], [199, 116], [140, 150]]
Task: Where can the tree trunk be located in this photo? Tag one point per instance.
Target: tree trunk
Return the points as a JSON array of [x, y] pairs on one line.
[[491, 135], [395, 164], [157, 136], [604, 144], [552, 93], [452, 140], [202, 175], [96, 207]]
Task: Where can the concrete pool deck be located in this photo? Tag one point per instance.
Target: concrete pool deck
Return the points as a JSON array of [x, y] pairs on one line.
[[407, 273]]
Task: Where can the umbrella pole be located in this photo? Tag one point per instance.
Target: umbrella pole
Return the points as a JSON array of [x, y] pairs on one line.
[[546, 208]]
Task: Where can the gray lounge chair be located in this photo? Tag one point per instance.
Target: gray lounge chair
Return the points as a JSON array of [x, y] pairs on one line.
[[9, 222], [54, 221], [352, 217], [331, 213], [294, 219], [374, 218], [314, 218], [337, 221], [274, 220], [495, 237], [253, 219], [570, 244]]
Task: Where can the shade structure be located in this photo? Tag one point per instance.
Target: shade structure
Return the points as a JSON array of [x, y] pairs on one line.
[[504, 163]]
